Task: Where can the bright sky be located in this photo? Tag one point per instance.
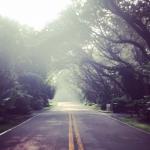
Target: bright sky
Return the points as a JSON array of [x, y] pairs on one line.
[[35, 13]]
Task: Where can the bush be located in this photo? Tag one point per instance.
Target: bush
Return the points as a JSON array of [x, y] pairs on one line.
[[38, 89], [144, 108], [22, 105], [37, 104], [141, 107], [119, 104], [20, 100], [103, 106], [20, 97]]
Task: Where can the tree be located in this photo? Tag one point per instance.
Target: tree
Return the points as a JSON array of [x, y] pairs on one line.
[[119, 45], [35, 86]]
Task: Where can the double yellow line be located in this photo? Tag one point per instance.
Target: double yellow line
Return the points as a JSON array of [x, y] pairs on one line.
[[74, 135]]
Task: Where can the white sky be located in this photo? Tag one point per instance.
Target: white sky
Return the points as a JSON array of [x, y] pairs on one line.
[[35, 13]]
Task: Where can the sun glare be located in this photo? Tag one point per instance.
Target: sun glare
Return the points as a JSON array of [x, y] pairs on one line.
[[34, 13]]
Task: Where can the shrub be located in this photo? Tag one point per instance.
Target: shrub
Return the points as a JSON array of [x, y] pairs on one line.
[[103, 106], [144, 108], [20, 100], [22, 105], [37, 104], [119, 104], [38, 89]]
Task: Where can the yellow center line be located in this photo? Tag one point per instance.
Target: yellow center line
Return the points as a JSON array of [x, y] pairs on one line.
[[73, 124], [71, 141], [77, 134]]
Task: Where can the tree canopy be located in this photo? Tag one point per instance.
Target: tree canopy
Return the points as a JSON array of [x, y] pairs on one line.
[[104, 43]]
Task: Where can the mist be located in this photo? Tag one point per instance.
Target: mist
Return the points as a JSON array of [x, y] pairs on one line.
[[66, 90], [67, 67], [88, 53]]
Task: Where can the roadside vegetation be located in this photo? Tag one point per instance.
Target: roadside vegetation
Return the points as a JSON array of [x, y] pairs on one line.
[[23, 83], [136, 123], [105, 45], [128, 118], [115, 68]]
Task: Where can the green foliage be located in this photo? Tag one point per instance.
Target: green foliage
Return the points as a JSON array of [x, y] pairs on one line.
[[119, 104], [19, 92], [140, 107], [22, 105], [115, 68], [37, 104], [136, 123], [97, 37], [19, 100], [37, 88], [103, 106], [133, 82], [144, 108]]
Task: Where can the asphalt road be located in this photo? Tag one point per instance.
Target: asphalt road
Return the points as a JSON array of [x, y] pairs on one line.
[[73, 127]]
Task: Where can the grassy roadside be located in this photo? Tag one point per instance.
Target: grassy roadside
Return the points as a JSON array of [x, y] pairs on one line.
[[96, 107], [93, 106], [52, 104], [133, 121], [13, 121]]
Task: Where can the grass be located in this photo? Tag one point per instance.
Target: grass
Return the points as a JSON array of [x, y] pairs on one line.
[[136, 123], [96, 107], [92, 106], [52, 104], [17, 119], [133, 121], [13, 121], [6, 126]]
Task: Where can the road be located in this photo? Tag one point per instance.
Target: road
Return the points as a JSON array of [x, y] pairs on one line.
[[71, 126]]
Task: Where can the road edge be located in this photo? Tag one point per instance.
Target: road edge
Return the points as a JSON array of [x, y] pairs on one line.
[[138, 129], [8, 130]]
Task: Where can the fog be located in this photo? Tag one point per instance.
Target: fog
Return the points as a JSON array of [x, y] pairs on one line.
[[89, 52], [66, 89]]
